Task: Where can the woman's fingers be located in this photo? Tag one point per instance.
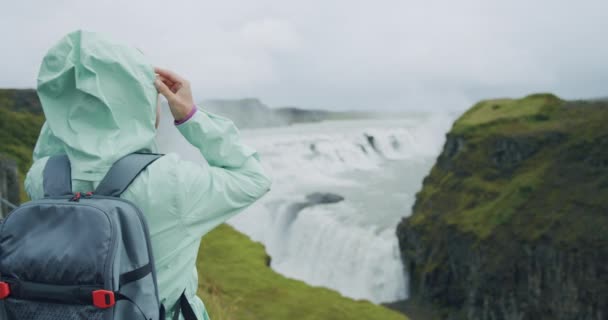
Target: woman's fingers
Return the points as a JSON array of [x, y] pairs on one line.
[[169, 75], [164, 90], [173, 81], [163, 79], [167, 82], [175, 87], [177, 91]]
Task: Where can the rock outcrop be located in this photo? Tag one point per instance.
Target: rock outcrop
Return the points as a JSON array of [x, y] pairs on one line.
[[313, 199], [512, 221]]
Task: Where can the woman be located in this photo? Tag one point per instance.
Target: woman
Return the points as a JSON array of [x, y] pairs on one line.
[[100, 100]]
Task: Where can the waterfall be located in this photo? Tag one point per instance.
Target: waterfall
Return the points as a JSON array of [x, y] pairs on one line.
[[339, 190]]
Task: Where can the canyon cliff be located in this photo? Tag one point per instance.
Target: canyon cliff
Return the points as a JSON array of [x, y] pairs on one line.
[[512, 221]]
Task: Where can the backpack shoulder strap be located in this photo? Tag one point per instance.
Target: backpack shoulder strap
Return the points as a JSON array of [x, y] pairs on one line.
[[57, 176], [186, 308], [183, 307], [123, 172]]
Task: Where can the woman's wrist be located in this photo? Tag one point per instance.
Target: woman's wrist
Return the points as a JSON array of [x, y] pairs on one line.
[[186, 115]]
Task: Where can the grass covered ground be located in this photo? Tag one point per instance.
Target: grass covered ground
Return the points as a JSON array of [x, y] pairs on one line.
[[236, 283]]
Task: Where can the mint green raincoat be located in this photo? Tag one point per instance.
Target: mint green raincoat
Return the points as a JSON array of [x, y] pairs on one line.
[[100, 101]]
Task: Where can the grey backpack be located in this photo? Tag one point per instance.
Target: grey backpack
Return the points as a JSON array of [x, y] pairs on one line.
[[75, 257]]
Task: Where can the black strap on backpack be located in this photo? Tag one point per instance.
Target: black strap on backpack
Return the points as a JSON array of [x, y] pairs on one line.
[[183, 307], [57, 179], [123, 172], [58, 175]]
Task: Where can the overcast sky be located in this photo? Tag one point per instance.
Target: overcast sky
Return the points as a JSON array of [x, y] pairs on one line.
[[346, 54]]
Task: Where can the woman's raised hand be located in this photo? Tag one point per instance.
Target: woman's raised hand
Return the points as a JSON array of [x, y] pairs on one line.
[[177, 92]]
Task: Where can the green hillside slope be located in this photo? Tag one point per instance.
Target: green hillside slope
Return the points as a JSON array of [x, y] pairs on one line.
[[236, 283]]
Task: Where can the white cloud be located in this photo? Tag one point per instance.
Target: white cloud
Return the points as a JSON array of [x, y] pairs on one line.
[[338, 54]]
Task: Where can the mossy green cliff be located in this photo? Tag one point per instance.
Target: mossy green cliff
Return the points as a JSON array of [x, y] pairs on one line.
[[512, 221]]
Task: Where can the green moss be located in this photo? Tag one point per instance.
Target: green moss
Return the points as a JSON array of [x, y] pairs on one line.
[[236, 283], [490, 204], [530, 168], [533, 108]]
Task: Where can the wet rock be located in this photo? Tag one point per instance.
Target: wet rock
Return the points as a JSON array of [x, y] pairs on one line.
[[312, 199], [313, 148], [371, 140], [323, 198], [363, 149], [395, 143]]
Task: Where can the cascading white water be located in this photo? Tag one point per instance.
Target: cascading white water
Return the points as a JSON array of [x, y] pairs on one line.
[[350, 245]]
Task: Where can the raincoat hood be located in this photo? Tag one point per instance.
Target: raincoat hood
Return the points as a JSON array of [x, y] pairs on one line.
[[99, 101]]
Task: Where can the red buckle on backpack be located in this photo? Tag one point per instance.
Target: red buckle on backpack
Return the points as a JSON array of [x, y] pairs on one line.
[[103, 299], [5, 290]]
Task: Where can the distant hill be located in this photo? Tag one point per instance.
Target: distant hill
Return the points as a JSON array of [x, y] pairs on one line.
[[252, 113], [246, 113]]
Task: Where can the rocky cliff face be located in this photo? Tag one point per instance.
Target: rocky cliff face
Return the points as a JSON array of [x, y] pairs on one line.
[[512, 221]]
